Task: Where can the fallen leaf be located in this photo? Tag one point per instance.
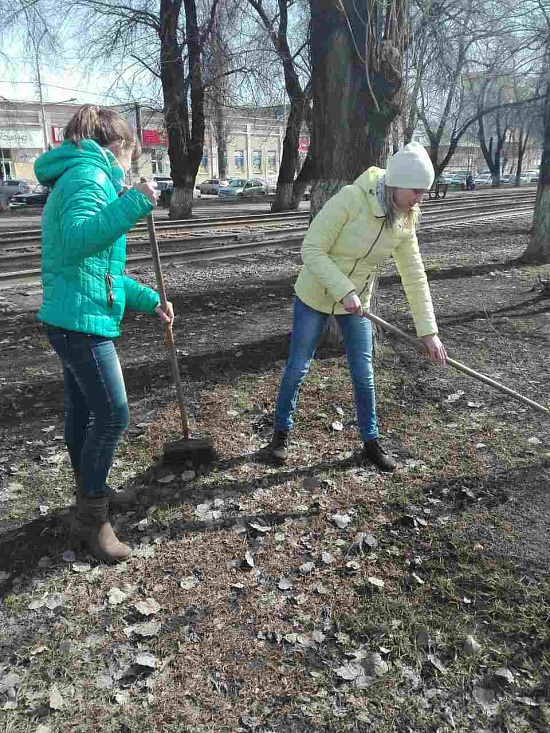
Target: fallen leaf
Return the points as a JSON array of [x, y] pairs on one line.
[[341, 520], [81, 567], [146, 629], [260, 527], [147, 607], [53, 602], [337, 425], [471, 645], [55, 700], [505, 674], [374, 665], [166, 479], [376, 582], [437, 663], [455, 396], [116, 596], [349, 671], [486, 699], [188, 583]]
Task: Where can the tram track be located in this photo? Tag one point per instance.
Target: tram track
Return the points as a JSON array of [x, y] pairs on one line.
[[245, 237]]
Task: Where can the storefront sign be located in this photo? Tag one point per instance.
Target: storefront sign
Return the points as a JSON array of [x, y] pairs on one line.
[[21, 138], [154, 138], [57, 134]]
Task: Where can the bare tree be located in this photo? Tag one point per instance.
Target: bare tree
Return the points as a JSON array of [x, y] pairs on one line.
[[167, 42], [277, 28], [539, 246]]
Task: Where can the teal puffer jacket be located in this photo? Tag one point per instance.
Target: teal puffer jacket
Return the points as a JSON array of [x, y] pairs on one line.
[[83, 241]]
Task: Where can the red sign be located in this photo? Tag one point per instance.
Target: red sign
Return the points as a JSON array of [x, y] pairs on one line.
[[303, 145], [153, 138], [57, 134]]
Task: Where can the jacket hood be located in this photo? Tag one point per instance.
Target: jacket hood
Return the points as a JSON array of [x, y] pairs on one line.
[[367, 182], [54, 163]]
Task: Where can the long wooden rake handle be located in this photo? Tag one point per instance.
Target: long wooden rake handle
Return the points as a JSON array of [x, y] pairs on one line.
[[169, 337], [457, 365]]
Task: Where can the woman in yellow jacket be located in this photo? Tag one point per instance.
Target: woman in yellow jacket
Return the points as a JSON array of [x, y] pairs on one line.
[[361, 225]]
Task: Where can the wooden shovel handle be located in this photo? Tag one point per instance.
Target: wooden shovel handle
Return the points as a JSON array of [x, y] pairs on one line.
[[169, 336]]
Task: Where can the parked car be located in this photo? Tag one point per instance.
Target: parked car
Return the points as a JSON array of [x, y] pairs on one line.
[[37, 197], [507, 178], [484, 179], [166, 186], [458, 180], [12, 186], [164, 183], [212, 185], [243, 187], [534, 178]]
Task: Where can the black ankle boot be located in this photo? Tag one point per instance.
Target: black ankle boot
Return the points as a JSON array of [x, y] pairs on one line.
[[374, 453], [279, 445]]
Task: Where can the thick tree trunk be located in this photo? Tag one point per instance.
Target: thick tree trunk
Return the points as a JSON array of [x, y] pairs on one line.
[[538, 249], [355, 99], [185, 141]]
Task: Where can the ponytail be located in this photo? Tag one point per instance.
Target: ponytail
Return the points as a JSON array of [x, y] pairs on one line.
[[105, 126]]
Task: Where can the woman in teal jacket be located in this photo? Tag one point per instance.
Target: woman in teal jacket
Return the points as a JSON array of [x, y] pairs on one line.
[[85, 292]]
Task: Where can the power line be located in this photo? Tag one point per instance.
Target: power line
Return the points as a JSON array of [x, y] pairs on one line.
[[55, 86]]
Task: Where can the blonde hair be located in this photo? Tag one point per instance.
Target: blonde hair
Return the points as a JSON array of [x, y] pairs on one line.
[[105, 126], [395, 216]]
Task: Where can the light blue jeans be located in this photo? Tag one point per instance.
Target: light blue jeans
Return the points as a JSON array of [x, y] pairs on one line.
[[96, 406], [307, 327]]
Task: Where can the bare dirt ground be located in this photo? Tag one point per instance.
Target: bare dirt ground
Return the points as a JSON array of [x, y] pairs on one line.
[[320, 596]]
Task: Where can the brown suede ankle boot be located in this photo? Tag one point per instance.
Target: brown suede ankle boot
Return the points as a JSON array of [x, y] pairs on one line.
[[91, 527]]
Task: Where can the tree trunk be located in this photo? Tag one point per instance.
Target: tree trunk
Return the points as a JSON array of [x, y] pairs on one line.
[[356, 77], [538, 249], [185, 142], [355, 99], [303, 179], [290, 157]]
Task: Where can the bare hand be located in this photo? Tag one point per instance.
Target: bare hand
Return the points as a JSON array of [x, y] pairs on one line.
[[149, 188], [166, 315], [352, 303], [435, 349]]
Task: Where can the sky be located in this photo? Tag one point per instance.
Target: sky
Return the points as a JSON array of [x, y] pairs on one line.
[[62, 79]]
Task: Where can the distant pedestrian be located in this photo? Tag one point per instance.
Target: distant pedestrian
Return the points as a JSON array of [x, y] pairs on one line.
[[361, 225], [470, 183], [85, 292]]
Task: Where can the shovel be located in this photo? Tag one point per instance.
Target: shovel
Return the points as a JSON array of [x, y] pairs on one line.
[[457, 365], [186, 451]]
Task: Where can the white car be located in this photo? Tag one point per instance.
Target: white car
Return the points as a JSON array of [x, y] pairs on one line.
[[165, 185], [485, 179]]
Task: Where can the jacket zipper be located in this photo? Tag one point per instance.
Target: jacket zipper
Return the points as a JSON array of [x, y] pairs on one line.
[[362, 258]]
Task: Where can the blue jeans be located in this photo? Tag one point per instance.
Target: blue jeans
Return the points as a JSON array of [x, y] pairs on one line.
[[307, 327], [96, 407]]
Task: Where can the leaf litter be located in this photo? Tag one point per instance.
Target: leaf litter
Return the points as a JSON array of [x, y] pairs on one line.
[[239, 628]]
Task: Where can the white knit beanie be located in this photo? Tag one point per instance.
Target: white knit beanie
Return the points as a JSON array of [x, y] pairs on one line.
[[410, 167]]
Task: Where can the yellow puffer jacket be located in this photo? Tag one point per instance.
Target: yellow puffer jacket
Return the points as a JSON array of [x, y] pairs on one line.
[[345, 242]]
